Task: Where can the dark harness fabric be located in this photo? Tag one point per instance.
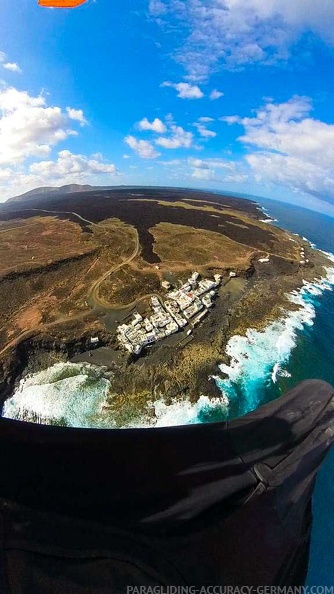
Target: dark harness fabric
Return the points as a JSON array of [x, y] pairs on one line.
[[98, 512]]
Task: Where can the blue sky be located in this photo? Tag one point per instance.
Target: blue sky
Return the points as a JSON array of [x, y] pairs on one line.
[[221, 94]]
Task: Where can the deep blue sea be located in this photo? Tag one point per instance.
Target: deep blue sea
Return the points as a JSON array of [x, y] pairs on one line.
[[313, 357], [263, 366]]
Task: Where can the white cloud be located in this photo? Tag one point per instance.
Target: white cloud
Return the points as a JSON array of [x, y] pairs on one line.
[[210, 175], [206, 174], [65, 169], [294, 173], [204, 132], [211, 163], [197, 163], [5, 174], [231, 119], [77, 115], [290, 147], [172, 162], [230, 33], [217, 170], [205, 119], [216, 94], [179, 139], [144, 148], [28, 127], [71, 166], [185, 90], [155, 126], [210, 169], [12, 66], [126, 156]]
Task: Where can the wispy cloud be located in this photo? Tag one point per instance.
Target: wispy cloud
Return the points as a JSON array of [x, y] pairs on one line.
[[217, 170], [157, 8], [203, 130], [234, 33], [205, 119]]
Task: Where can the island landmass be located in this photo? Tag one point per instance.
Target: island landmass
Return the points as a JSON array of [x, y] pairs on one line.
[[149, 282]]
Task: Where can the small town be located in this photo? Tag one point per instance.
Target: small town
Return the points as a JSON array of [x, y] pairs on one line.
[[191, 301]]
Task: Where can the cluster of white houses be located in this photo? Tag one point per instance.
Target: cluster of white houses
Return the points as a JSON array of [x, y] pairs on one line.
[[303, 259], [193, 298]]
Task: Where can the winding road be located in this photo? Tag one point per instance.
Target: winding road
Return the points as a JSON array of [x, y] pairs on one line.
[[93, 292], [55, 212]]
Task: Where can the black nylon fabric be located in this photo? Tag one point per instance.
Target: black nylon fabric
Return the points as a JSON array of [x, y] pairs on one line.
[[95, 511]]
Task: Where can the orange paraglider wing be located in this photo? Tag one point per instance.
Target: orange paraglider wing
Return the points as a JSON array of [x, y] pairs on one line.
[[61, 3]]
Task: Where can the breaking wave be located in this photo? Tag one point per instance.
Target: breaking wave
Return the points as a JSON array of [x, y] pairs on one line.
[[179, 412], [68, 394], [268, 220], [260, 357]]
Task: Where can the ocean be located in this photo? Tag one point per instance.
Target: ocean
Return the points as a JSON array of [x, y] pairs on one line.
[[263, 365], [313, 357]]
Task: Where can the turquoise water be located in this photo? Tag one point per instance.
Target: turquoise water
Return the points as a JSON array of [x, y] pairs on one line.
[[313, 357]]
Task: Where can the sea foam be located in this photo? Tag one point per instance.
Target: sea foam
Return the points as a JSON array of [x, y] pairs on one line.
[[260, 357], [183, 412], [69, 394], [268, 220]]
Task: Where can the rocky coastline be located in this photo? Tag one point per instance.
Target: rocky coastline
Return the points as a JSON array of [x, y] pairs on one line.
[[256, 297]]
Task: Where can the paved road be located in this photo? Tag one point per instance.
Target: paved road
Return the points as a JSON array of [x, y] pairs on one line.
[[55, 212]]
